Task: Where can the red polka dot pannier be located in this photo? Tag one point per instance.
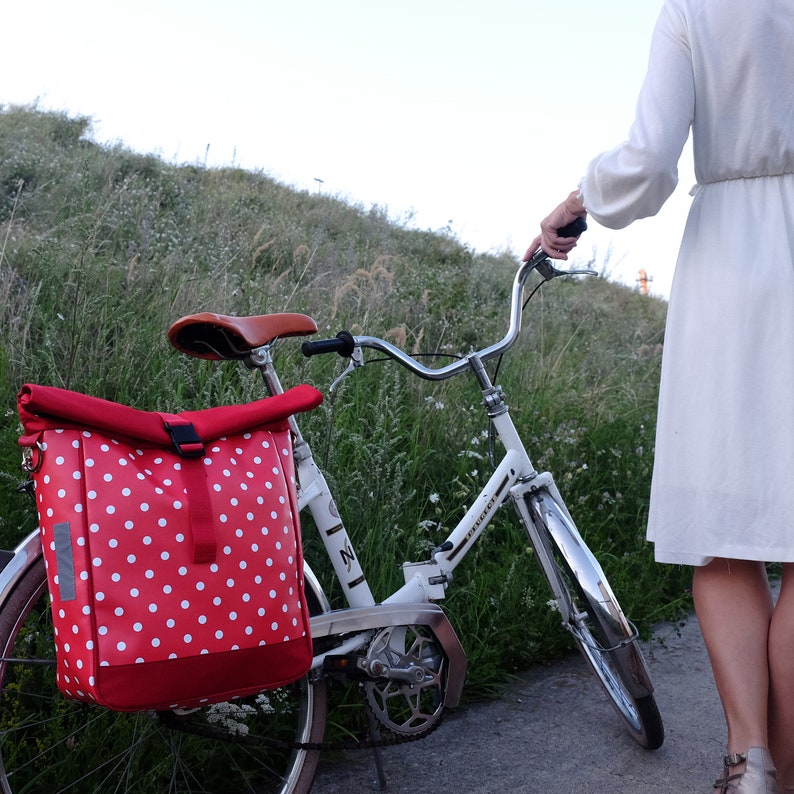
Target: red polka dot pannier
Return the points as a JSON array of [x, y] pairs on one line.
[[172, 547]]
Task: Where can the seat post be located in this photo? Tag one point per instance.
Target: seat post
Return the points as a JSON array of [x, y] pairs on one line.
[[260, 358]]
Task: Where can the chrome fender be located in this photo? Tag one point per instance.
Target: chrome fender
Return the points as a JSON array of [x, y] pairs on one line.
[[25, 555], [590, 577]]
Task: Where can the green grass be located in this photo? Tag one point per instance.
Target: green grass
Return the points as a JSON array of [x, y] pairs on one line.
[[101, 249]]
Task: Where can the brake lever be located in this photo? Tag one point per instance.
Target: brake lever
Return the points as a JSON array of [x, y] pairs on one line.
[[356, 360], [541, 262], [548, 271]]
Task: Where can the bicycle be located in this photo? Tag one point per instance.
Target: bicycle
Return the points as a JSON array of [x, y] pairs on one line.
[[402, 651]]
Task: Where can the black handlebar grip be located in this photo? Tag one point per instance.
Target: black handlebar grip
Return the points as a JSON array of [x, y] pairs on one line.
[[573, 229], [343, 343]]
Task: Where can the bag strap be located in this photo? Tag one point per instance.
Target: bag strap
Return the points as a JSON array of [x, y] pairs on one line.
[[190, 448]]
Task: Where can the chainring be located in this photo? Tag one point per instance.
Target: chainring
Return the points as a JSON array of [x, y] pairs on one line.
[[408, 695]]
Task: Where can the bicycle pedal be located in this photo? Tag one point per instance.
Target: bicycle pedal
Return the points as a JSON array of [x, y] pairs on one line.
[[351, 666]]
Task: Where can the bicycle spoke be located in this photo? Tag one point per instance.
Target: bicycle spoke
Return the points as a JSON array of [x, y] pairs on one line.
[[53, 745]]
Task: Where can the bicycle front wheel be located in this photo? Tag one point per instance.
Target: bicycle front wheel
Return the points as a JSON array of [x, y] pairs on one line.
[[592, 614], [49, 744]]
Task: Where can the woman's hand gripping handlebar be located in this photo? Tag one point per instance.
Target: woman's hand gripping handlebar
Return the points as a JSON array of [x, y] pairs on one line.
[[573, 229], [560, 230]]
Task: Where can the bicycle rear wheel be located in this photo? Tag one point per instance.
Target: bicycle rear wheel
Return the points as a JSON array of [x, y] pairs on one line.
[[601, 631], [49, 744]]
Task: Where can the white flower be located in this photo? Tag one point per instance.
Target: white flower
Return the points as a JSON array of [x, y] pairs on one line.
[[265, 706], [229, 716]]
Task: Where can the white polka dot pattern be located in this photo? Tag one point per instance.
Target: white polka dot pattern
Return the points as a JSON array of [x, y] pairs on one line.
[[127, 592]]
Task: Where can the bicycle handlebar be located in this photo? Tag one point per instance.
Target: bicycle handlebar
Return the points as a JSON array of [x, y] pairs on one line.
[[344, 343], [573, 229]]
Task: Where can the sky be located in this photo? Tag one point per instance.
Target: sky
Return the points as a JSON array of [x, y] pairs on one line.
[[476, 116]]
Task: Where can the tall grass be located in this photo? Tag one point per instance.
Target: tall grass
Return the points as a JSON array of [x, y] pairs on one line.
[[101, 249]]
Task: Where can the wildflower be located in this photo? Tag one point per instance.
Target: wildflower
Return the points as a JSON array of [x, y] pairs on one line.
[[265, 706], [230, 716], [433, 498]]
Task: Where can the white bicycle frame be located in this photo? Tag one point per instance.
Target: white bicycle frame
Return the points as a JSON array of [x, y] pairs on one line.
[[514, 479], [427, 580]]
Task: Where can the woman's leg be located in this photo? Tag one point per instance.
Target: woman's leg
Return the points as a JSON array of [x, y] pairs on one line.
[[781, 671], [733, 603]]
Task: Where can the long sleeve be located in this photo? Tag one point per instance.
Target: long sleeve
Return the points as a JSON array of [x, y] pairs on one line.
[[634, 179]]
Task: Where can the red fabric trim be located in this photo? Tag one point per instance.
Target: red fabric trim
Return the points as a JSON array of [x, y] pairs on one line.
[[48, 407], [174, 682]]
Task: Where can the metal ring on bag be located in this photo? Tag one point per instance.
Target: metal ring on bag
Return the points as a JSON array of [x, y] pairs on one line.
[[32, 459]]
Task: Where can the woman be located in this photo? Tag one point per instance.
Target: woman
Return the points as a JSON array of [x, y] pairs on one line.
[[722, 498]]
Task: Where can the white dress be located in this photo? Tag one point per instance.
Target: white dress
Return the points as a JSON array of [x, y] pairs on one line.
[[723, 481]]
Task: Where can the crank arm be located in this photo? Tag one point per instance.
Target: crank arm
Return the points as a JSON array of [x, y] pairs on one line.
[[358, 668], [361, 619]]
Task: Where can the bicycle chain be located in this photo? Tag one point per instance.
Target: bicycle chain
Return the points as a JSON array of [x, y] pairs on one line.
[[171, 720]]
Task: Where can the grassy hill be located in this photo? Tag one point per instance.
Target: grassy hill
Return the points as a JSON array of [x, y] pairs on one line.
[[102, 248]]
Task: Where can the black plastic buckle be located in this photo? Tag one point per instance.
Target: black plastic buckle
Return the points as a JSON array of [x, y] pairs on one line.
[[186, 440]]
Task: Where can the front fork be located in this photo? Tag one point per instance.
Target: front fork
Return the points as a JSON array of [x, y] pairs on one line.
[[549, 526]]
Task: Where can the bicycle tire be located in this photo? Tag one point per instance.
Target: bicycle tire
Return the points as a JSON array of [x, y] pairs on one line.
[[50, 744], [598, 626]]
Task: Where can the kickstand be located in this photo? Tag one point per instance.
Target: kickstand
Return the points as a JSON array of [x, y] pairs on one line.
[[379, 784]]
